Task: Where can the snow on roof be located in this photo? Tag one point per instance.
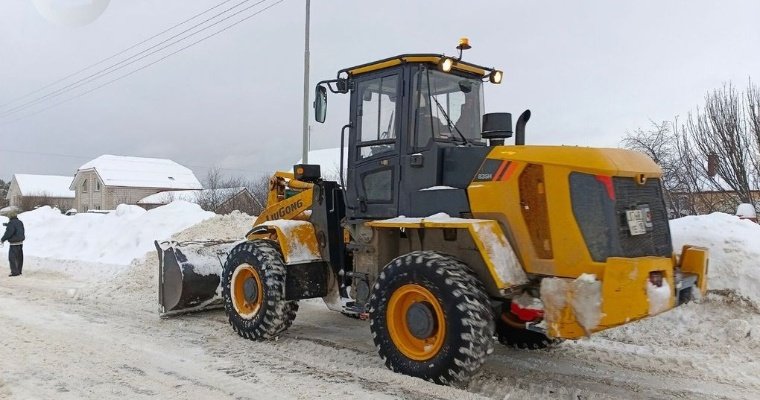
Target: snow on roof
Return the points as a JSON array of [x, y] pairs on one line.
[[746, 210], [48, 185], [189, 195], [142, 172], [329, 160]]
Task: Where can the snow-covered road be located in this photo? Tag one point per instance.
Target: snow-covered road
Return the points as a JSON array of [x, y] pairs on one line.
[[67, 339], [84, 329]]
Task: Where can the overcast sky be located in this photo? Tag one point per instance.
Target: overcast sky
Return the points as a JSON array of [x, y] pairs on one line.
[[588, 70]]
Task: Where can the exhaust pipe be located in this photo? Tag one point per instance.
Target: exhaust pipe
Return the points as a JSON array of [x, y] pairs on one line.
[[520, 128]]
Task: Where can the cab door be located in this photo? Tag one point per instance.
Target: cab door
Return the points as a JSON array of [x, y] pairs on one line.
[[373, 173]]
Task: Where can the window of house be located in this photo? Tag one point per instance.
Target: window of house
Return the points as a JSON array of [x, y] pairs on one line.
[[84, 186], [97, 186]]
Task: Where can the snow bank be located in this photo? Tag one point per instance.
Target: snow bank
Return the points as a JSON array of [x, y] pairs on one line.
[[128, 233], [734, 250], [232, 226], [114, 238]]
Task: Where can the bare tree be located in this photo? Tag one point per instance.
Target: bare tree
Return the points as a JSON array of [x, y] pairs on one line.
[[752, 102], [711, 162], [237, 195], [659, 142], [688, 176], [223, 194], [259, 188], [721, 130], [209, 199], [4, 187]]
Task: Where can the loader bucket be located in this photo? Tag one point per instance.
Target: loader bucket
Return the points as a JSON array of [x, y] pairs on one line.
[[189, 275]]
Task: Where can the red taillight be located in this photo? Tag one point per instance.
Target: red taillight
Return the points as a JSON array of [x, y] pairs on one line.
[[526, 314], [655, 277], [607, 182]]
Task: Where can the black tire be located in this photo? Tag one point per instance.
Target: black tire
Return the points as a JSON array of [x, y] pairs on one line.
[[275, 314], [468, 318], [522, 338]]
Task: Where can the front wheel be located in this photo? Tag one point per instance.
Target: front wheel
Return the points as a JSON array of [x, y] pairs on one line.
[[253, 290], [430, 318]]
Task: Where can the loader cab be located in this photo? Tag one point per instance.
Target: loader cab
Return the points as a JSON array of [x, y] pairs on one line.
[[404, 112]]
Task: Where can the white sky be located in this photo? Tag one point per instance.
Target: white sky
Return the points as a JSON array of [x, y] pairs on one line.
[[589, 71]]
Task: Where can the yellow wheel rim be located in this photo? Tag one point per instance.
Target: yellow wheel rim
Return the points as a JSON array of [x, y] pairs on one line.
[[247, 291], [416, 322]]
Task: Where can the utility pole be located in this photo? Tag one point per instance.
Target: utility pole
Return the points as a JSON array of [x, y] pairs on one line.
[[305, 139]]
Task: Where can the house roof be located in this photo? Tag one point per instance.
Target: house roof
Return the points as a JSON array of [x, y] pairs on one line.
[[142, 172], [48, 185], [192, 196]]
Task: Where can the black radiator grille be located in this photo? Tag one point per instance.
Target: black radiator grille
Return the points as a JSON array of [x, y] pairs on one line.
[[630, 195], [600, 206]]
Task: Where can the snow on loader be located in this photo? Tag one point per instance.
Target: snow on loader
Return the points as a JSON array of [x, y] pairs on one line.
[[444, 237]]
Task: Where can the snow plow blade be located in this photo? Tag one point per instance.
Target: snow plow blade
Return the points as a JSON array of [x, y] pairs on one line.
[[189, 275]]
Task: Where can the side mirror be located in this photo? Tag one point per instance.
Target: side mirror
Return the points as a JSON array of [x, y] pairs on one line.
[[497, 125], [320, 104]]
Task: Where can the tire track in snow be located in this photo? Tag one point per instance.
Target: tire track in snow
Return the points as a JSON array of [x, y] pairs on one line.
[[130, 351]]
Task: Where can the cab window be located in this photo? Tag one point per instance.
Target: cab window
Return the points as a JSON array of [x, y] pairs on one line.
[[377, 113], [447, 107]]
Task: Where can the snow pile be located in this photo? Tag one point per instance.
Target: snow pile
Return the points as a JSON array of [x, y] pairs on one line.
[[734, 250], [193, 196], [115, 238], [232, 226], [138, 284]]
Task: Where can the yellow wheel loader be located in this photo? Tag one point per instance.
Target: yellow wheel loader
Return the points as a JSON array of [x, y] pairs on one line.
[[445, 238]]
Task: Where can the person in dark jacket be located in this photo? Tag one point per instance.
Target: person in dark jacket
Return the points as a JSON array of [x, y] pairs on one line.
[[14, 234]]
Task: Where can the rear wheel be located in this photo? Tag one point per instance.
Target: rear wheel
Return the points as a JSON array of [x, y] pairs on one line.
[[430, 318], [253, 290]]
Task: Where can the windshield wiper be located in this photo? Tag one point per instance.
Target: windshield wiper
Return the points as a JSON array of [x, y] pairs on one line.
[[440, 107], [452, 126]]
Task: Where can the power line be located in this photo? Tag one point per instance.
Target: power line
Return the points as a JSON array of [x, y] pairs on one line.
[[114, 55], [121, 64], [152, 63]]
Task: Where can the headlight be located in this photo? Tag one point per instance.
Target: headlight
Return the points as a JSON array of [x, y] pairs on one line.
[[495, 76], [446, 64]]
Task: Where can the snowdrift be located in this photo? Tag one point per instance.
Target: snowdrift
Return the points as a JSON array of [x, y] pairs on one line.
[[734, 250], [115, 238]]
